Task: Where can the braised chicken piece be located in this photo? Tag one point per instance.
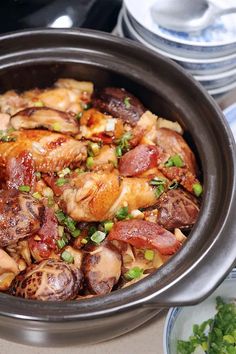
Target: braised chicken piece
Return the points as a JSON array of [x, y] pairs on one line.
[[96, 191], [44, 117], [20, 216], [50, 151], [49, 280], [98, 196]]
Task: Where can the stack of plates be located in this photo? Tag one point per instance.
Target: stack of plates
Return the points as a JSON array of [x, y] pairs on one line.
[[209, 55]]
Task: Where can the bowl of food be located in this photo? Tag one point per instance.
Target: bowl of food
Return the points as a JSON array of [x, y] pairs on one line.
[[117, 187], [207, 327]]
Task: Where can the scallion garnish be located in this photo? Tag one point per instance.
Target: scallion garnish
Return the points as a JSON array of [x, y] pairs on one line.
[[7, 138], [127, 102], [61, 243], [149, 255], [159, 190], [134, 273], [93, 149], [70, 224], [61, 181], [67, 257], [37, 195], [24, 188], [157, 181], [123, 144], [79, 115], [89, 162], [197, 189], [108, 225], [91, 230], [122, 213], [37, 175], [79, 170], [60, 216], [76, 233], [64, 172], [175, 160], [86, 106], [84, 241], [98, 237]]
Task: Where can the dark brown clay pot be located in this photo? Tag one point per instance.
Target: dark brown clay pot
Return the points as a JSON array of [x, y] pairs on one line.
[[36, 59]]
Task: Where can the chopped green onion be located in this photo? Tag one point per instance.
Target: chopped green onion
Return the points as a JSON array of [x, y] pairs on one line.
[[98, 237], [175, 160], [173, 185], [89, 162], [79, 115], [122, 213], [56, 127], [38, 104], [118, 151], [108, 225], [93, 149], [159, 190], [91, 230], [197, 189], [48, 192], [157, 181], [149, 255], [61, 181], [84, 241], [7, 138], [123, 144], [37, 175], [79, 171], [67, 257], [75, 233], [11, 130], [70, 224], [37, 195], [64, 172], [61, 243], [86, 106], [134, 273], [127, 102], [24, 188], [60, 215]]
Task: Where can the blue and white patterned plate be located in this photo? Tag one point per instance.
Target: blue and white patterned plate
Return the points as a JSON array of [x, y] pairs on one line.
[[214, 41], [180, 320]]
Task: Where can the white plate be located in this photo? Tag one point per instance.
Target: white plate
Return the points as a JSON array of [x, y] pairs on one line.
[[180, 320], [193, 65], [216, 40]]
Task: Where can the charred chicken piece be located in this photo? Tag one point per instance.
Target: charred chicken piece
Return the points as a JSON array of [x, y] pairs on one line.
[[50, 151], [20, 216], [102, 269], [177, 209], [44, 117], [48, 281], [119, 103]]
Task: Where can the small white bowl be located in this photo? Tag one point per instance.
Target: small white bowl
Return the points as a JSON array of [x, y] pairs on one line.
[[180, 320]]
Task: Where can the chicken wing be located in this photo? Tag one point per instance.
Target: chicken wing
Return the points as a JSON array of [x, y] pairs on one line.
[[50, 151]]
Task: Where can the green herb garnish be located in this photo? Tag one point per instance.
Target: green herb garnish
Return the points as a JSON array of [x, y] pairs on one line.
[[67, 257], [134, 273], [197, 189], [173, 185], [38, 104], [108, 225], [122, 213], [79, 115], [76, 233], [37, 195], [60, 216], [56, 127], [174, 160], [127, 102], [86, 106], [61, 243], [61, 181], [24, 188], [149, 255], [98, 237], [64, 172], [123, 144], [38, 175], [216, 335], [89, 162]]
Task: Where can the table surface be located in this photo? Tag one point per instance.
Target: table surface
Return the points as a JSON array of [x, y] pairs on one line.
[[145, 339]]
